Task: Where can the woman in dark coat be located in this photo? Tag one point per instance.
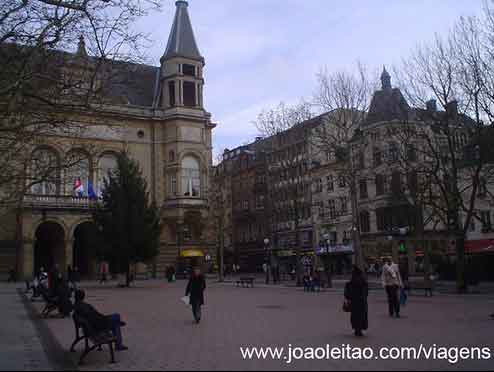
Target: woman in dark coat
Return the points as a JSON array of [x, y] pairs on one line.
[[195, 288], [356, 293]]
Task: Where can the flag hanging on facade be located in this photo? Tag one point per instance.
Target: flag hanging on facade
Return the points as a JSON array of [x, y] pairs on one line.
[[79, 188], [90, 191]]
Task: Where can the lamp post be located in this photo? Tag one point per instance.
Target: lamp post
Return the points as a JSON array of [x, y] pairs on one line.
[[268, 258]]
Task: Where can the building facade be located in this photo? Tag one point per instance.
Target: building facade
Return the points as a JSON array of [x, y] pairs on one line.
[[157, 115], [299, 182]]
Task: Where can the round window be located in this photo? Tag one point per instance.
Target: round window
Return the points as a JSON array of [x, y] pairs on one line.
[[140, 134]]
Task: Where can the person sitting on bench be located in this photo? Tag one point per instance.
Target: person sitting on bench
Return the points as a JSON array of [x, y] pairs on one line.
[[99, 321], [63, 298]]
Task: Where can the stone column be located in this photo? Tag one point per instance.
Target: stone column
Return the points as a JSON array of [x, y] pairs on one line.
[[69, 253], [27, 258]]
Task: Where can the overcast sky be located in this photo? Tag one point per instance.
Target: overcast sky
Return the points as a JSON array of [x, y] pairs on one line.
[[261, 52]]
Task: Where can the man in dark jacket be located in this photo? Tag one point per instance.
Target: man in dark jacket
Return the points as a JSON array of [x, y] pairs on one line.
[[195, 288], [99, 321]]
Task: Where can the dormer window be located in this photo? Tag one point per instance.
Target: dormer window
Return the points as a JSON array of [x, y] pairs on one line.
[[189, 70]]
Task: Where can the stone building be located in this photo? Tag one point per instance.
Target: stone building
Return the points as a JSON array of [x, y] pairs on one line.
[[157, 115], [387, 155], [270, 185], [384, 161]]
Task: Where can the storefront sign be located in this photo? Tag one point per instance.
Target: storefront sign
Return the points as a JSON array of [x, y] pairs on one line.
[[333, 249]]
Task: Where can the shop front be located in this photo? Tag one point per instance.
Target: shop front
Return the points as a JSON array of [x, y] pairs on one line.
[[190, 258], [337, 259]]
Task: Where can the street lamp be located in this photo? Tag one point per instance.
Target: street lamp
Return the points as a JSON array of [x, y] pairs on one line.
[[268, 258]]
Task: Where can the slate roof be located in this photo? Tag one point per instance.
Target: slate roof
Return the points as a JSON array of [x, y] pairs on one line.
[[182, 42], [132, 84], [388, 105]]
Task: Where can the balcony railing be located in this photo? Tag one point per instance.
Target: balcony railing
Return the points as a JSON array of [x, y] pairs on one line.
[[186, 202], [58, 202]]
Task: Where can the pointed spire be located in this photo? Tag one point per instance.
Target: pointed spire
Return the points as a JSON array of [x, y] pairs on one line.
[[182, 42], [81, 47], [385, 79]]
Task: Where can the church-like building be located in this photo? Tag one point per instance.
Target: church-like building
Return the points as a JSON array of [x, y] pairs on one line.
[[157, 115]]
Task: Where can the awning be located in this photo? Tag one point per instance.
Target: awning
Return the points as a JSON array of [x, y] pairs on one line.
[[285, 253], [471, 247], [335, 249], [189, 253], [479, 246]]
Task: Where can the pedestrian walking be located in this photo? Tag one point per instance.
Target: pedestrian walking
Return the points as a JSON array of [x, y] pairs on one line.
[[356, 293], [392, 283], [103, 272], [195, 289]]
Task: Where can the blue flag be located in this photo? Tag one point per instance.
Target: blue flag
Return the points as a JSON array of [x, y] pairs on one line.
[[90, 191]]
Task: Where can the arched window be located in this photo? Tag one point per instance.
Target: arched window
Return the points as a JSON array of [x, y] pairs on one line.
[[191, 177], [77, 170], [171, 156], [107, 163], [45, 168]]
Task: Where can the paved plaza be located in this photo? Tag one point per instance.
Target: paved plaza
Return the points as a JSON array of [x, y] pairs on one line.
[[20, 345], [162, 336]]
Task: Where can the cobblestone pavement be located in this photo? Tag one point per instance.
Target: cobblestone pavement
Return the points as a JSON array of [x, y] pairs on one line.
[[162, 336], [20, 346]]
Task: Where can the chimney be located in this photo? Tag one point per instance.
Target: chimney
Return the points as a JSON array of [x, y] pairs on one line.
[[452, 109], [431, 105]]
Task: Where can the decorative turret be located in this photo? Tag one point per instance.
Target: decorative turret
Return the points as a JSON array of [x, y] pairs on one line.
[[81, 47], [182, 64], [385, 80]]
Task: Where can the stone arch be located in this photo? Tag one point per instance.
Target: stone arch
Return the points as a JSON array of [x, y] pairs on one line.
[[49, 245], [85, 244], [194, 153], [79, 221], [52, 219]]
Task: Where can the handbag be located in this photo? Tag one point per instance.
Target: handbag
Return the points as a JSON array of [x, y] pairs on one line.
[[347, 306], [403, 297], [186, 300]]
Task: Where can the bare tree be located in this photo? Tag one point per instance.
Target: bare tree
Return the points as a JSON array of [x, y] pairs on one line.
[[42, 87], [455, 72], [345, 97], [286, 145]]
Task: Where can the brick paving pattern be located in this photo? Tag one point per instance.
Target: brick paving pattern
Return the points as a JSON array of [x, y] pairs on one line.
[[162, 335], [20, 345]]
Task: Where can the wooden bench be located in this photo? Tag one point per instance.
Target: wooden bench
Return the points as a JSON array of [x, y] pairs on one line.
[[51, 304], [245, 282], [84, 331], [426, 286]]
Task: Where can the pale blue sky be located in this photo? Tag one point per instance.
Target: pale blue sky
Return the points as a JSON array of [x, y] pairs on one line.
[[261, 52]]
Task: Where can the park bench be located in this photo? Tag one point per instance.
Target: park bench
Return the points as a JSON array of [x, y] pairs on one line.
[[245, 282], [426, 286], [85, 331], [51, 304]]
